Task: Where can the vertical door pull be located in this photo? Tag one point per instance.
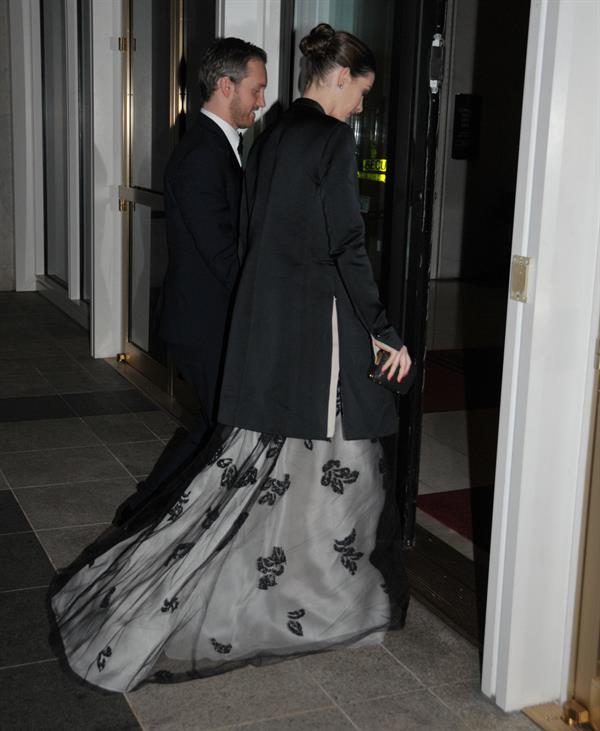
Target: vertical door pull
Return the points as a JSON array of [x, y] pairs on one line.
[[436, 63]]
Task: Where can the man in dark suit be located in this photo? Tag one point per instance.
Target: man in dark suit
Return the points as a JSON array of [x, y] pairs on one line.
[[202, 200]]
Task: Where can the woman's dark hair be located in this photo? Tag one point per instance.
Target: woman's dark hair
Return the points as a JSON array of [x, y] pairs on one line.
[[323, 48], [226, 57]]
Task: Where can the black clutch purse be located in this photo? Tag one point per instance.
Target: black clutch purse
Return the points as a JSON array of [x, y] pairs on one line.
[[381, 379]]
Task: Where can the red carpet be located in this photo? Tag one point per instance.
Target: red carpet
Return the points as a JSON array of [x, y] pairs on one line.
[[468, 512]]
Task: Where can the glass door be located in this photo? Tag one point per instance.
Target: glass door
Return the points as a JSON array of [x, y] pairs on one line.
[[162, 43], [395, 150], [55, 106], [66, 96], [149, 43]]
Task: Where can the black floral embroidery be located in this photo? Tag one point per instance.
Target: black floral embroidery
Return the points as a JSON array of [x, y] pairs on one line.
[[106, 601], [338, 401], [308, 443], [177, 508], [232, 532], [273, 489], [336, 476], [293, 624], [249, 477], [349, 556], [182, 550], [223, 649], [101, 658], [170, 605], [211, 515], [271, 566], [229, 472], [277, 443]]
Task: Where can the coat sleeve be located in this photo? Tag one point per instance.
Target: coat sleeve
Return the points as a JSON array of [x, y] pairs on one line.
[[200, 191], [345, 229]]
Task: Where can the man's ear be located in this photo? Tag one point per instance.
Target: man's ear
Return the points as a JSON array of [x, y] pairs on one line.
[[225, 85]]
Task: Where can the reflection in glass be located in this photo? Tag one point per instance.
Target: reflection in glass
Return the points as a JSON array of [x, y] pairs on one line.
[[148, 264], [54, 85], [86, 146], [372, 22], [150, 80]]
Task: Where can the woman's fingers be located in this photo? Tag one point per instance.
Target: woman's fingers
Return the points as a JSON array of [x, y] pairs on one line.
[[405, 363], [398, 360], [394, 361]]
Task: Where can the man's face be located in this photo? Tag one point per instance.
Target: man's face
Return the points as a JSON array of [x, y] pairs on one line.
[[249, 94]]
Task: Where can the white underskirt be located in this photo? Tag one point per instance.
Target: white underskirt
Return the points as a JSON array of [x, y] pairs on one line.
[[335, 372]]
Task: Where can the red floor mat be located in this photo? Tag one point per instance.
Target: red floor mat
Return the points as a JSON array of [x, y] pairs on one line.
[[468, 512]]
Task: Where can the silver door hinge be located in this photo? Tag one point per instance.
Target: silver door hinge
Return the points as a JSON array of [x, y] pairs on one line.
[[519, 277]]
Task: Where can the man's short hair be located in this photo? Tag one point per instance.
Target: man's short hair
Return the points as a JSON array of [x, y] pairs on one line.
[[226, 57]]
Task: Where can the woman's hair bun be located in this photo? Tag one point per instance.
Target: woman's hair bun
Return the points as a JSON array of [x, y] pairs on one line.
[[316, 43]]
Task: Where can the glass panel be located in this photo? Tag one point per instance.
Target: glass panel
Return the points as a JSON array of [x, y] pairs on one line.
[[148, 264], [372, 22], [150, 79], [86, 145], [55, 139]]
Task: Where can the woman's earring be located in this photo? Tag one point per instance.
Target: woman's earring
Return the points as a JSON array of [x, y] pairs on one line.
[[340, 86]]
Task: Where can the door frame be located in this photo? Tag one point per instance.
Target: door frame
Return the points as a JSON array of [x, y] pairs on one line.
[[546, 404]]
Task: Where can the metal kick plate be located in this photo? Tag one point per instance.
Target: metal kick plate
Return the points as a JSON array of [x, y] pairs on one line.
[[519, 273]]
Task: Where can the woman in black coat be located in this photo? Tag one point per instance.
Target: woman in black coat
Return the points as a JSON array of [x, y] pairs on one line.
[[261, 547], [305, 250]]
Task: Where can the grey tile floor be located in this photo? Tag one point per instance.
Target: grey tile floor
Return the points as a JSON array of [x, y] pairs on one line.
[[71, 448]]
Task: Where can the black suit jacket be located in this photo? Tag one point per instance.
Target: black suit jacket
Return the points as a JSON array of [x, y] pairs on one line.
[[202, 200], [304, 235]]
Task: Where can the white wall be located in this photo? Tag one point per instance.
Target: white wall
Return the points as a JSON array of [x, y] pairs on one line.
[[257, 21], [549, 359], [7, 229], [107, 282]]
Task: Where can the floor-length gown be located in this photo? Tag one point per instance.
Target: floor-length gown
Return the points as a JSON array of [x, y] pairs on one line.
[[264, 547], [265, 553]]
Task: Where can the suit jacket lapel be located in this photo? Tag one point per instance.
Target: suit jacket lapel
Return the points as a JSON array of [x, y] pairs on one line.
[[210, 126]]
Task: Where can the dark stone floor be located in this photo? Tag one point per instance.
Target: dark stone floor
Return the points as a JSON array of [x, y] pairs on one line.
[[74, 438]]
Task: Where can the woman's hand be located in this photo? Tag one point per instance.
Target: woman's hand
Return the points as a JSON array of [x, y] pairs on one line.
[[399, 360]]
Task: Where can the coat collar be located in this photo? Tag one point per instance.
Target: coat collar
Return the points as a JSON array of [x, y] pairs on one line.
[[232, 134], [304, 103], [209, 125]]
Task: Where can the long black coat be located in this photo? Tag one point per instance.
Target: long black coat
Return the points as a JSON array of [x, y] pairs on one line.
[[304, 239], [203, 183]]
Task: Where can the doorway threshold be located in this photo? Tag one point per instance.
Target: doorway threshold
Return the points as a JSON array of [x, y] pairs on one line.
[[548, 716], [449, 584]]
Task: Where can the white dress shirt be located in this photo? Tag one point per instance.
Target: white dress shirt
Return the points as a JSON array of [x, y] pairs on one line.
[[230, 132]]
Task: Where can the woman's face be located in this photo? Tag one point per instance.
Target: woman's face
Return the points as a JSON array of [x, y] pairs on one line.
[[349, 92]]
